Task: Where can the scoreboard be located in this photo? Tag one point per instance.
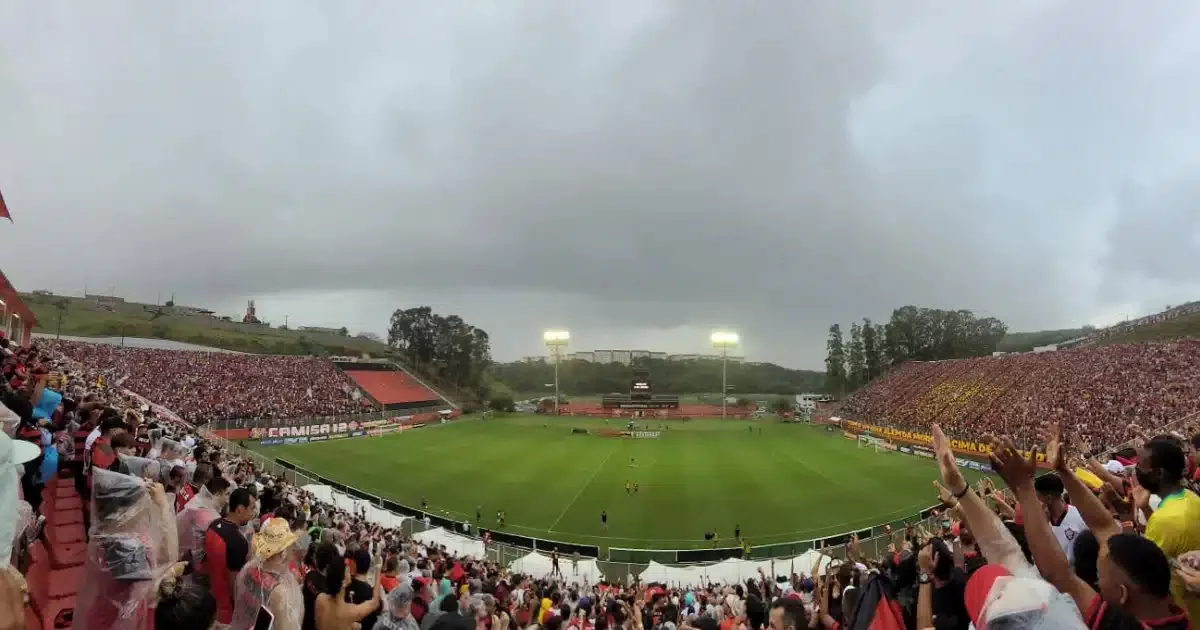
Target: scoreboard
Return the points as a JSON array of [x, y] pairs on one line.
[[618, 401], [640, 396]]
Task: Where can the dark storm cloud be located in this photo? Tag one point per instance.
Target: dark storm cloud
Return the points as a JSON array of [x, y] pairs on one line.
[[620, 167]]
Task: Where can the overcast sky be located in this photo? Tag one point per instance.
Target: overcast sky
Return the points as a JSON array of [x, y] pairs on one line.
[[638, 172]]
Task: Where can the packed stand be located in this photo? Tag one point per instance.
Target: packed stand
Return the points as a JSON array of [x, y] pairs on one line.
[[1096, 391], [184, 534], [1183, 310], [222, 387]]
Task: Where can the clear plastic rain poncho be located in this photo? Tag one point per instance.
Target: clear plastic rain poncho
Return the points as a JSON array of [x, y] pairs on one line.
[[173, 452], [132, 545], [10, 484], [269, 583], [192, 523], [149, 469]]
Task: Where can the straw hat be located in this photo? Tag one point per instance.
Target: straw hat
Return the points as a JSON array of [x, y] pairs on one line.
[[275, 537]]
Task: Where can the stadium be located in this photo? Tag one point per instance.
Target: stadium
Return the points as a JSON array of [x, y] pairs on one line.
[[644, 485], [599, 316]]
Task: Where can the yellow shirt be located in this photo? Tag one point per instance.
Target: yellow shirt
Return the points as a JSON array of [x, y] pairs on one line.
[[1175, 528]]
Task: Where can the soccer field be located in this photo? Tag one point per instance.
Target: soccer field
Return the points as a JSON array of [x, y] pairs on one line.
[[779, 482]]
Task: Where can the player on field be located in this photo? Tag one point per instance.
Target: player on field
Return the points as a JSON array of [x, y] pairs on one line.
[[604, 519], [628, 487], [635, 487]]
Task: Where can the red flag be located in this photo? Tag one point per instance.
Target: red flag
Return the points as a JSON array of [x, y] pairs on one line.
[[875, 610], [4, 209]]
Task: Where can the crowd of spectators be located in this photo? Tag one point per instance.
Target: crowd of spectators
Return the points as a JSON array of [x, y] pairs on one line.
[[220, 387], [1098, 392], [1174, 312], [186, 534]]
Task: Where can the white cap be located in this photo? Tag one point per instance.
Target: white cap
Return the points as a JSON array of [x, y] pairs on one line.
[[16, 452], [1115, 467]]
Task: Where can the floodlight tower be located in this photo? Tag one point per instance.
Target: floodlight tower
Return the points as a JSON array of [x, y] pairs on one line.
[[556, 341], [723, 340]]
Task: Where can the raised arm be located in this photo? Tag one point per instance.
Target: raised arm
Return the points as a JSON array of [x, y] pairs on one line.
[[1018, 472]]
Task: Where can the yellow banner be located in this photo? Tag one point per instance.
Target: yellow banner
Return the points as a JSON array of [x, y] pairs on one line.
[[960, 446]]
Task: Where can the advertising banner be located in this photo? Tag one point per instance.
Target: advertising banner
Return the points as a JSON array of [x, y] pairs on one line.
[[966, 447]]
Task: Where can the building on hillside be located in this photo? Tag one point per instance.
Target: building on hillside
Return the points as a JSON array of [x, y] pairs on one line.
[[369, 336], [602, 356], [706, 357], [658, 356], [639, 354], [16, 319], [322, 329], [536, 359], [581, 356], [624, 357]]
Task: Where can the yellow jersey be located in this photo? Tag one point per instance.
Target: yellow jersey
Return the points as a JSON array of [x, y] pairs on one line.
[[1175, 528]]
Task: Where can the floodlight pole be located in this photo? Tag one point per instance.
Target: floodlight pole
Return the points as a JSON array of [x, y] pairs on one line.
[[724, 379], [556, 340], [556, 361], [723, 340]]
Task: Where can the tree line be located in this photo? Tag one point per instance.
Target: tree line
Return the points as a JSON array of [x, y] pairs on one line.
[[912, 334], [580, 378], [442, 345]]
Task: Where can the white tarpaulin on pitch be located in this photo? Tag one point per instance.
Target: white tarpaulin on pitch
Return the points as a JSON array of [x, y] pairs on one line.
[[536, 565], [733, 570], [454, 543], [356, 506]]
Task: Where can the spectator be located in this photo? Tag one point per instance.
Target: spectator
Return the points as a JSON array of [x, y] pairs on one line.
[[184, 605], [360, 590], [331, 610], [267, 582], [1175, 525], [1065, 519], [226, 550], [323, 555], [192, 523], [391, 574], [131, 544]]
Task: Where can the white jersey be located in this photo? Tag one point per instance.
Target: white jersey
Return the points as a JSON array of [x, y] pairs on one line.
[[1069, 529]]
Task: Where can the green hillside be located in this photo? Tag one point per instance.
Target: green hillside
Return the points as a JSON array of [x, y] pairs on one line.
[[1027, 341], [1184, 326], [88, 318]]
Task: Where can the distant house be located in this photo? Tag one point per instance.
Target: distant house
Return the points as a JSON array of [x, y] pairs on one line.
[[369, 336], [16, 320]]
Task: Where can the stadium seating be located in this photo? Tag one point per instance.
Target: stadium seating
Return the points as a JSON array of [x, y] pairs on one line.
[[213, 387], [55, 573], [390, 387], [1097, 391]]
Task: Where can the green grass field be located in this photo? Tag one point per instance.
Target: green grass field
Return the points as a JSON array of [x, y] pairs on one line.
[[780, 482]]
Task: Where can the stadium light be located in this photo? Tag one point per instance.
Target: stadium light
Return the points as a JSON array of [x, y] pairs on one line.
[[724, 340], [556, 340]]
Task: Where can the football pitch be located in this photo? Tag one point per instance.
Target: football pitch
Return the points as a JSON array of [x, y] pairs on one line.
[[778, 482]]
